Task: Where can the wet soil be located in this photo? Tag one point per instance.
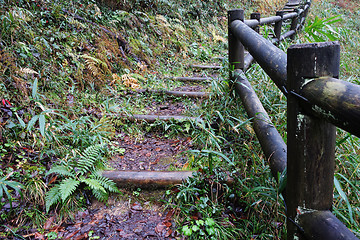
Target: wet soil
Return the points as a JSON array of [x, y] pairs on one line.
[[124, 216], [153, 152], [120, 218], [166, 108]]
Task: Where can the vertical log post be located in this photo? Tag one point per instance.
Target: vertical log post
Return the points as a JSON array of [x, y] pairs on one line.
[[256, 16], [294, 26], [311, 141], [305, 13], [278, 25], [236, 49]]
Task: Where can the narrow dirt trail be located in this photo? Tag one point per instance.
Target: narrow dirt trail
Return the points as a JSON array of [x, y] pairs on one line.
[[140, 212]]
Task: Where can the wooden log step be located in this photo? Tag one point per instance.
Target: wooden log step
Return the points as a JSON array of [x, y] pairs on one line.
[[295, 3], [206, 66], [192, 79], [218, 58], [150, 179], [288, 8], [153, 118], [177, 93], [188, 94], [147, 179]]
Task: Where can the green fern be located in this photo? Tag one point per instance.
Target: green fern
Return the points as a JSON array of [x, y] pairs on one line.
[[100, 195], [52, 197], [90, 159], [105, 182], [61, 170], [78, 173], [68, 187]]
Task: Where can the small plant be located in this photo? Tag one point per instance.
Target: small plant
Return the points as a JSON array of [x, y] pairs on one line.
[[80, 174], [5, 187], [137, 192], [320, 29], [202, 204]]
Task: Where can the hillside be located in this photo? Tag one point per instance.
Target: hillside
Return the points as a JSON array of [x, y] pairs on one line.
[[73, 74]]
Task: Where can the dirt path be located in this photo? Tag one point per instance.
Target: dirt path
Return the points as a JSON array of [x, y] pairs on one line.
[[135, 213]]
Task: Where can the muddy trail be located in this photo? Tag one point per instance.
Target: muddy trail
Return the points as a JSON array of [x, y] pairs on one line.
[[140, 212]]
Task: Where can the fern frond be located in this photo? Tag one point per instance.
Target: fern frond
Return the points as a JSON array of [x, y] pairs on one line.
[[93, 184], [97, 189], [68, 187], [95, 65], [52, 197], [88, 160], [61, 170], [107, 183], [100, 195]]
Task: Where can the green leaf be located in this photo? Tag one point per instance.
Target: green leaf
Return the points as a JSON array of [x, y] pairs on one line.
[[22, 123], [344, 197], [2, 186], [93, 184], [186, 230], [106, 183], [34, 89], [195, 228], [32, 122], [282, 180], [61, 170], [42, 124], [210, 230], [53, 196], [100, 195], [15, 185], [209, 222], [68, 187]]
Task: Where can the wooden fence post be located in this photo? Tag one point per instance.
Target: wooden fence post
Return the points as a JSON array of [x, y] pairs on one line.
[[310, 141], [236, 49], [256, 16], [278, 25]]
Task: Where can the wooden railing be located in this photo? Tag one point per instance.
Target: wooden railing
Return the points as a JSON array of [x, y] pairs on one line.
[[316, 102]]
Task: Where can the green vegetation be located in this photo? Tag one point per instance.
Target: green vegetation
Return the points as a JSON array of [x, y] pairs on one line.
[[67, 67]]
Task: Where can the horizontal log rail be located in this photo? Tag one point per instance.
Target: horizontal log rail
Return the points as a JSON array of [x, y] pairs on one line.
[[334, 100], [323, 225], [316, 102], [266, 54], [270, 140]]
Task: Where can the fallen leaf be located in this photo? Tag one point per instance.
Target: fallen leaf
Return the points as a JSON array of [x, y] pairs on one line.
[[160, 228], [154, 162], [39, 236], [168, 233], [81, 237], [186, 165], [49, 222], [70, 235], [169, 215], [167, 223]]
